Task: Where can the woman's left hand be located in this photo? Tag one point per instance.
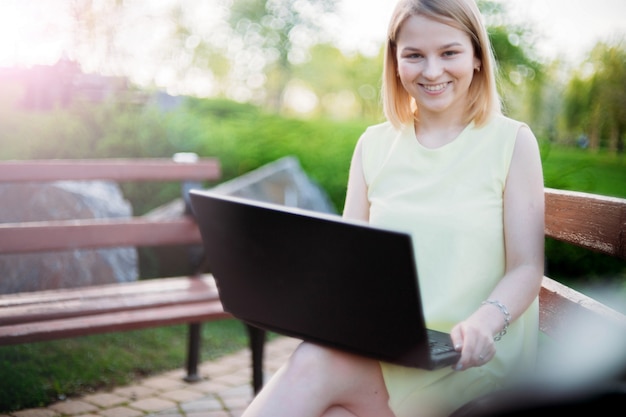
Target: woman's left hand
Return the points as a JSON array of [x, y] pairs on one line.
[[473, 337]]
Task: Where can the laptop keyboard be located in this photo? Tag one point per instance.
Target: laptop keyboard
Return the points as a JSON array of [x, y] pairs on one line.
[[439, 342], [437, 346]]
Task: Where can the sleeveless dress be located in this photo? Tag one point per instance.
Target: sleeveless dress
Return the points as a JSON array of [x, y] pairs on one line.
[[451, 200]]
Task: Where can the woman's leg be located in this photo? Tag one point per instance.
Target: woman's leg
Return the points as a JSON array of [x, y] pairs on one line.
[[323, 382]]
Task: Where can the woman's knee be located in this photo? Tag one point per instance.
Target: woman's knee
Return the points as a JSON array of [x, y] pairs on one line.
[[335, 368], [348, 384], [312, 359]]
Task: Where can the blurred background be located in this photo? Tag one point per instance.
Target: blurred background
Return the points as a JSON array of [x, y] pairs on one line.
[[253, 81], [562, 63]]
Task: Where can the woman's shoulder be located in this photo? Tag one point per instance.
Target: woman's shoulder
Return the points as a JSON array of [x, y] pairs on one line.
[[382, 132], [504, 122], [376, 142], [502, 128], [380, 129]]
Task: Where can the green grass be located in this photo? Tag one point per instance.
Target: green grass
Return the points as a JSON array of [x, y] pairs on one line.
[[583, 170], [36, 374]]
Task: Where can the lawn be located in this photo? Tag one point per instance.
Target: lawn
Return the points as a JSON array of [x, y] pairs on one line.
[[583, 170]]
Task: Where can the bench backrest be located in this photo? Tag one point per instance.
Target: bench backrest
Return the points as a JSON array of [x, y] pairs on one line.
[[593, 222], [100, 233]]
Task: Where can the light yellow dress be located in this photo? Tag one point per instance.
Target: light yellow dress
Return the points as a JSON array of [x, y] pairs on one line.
[[450, 200]]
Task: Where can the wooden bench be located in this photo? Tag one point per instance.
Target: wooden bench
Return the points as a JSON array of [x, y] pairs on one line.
[[591, 221], [70, 312]]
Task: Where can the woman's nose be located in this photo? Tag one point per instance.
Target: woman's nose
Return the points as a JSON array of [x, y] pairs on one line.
[[433, 68]]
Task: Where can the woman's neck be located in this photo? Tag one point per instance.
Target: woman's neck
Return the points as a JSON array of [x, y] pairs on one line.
[[435, 132]]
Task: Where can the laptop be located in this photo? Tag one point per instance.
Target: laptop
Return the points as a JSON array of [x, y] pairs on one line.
[[320, 278]]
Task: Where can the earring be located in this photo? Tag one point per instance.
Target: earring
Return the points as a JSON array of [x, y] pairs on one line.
[[477, 69]]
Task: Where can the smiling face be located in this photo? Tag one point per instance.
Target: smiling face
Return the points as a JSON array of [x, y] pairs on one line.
[[436, 65]]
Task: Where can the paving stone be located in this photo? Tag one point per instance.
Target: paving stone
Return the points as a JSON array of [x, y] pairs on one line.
[[182, 395], [175, 412], [217, 413], [162, 383], [236, 412], [235, 379], [135, 392], [213, 370], [152, 404], [244, 391], [178, 374], [236, 398], [121, 412], [236, 361], [73, 407], [209, 386], [106, 399], [36, 412], [236, 403], [202, 405]]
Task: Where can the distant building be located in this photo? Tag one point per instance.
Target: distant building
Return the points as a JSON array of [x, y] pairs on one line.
[[44, 87]]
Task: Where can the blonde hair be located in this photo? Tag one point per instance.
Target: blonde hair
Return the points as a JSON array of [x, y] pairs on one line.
[[399, 107]]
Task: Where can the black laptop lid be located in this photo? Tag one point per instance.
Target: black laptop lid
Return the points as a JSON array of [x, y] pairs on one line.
[[314, 276]]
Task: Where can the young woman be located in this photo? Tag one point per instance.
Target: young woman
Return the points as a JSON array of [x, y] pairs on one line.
[[467, 183]]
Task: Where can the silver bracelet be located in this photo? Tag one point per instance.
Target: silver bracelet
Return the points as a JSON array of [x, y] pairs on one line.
[[507, 317]]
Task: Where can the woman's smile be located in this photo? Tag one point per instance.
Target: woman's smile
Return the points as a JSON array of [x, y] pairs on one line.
[[434, 88]]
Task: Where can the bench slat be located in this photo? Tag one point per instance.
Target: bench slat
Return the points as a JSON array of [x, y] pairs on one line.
[[97, 233], [588, 220], [142, 287], [562, 309], [57, 304], [114, 169], [112, 322]]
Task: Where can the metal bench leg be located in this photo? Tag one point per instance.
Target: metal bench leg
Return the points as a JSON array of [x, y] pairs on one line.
[[193, 352], [257, 345], [194, 338]]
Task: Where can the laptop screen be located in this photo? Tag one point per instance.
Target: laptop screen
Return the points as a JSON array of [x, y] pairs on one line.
[[313, 275]]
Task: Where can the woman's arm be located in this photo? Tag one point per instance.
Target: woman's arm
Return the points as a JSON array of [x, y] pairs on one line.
[[524, 213], [356, 205], [524, 252]]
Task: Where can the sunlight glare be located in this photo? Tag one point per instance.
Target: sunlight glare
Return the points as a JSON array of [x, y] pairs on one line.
[[13, 32], [31, 33]]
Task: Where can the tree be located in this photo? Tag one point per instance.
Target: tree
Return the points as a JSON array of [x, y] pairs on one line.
[[344, 86], [272, 36], [521, 77], [596, 98]]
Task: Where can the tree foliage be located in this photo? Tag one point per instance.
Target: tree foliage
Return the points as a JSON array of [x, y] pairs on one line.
[[278, 54], [596, 98], [344, 87], [275, 35]]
